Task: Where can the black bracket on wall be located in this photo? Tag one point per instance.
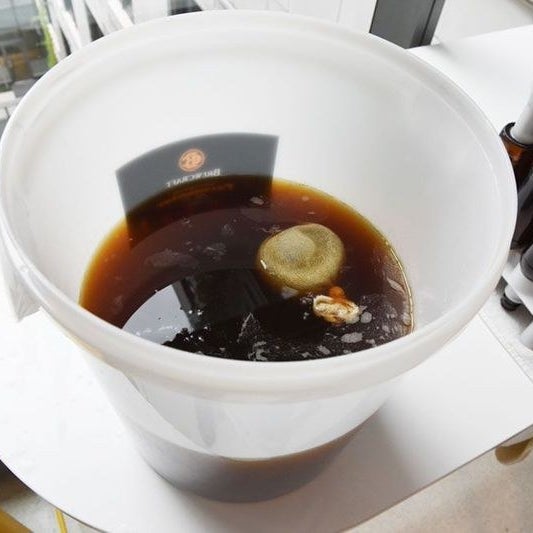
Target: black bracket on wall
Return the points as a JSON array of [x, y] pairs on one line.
[[407, 23]]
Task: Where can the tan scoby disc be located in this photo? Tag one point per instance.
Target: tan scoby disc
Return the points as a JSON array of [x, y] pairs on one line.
[[305, 257]]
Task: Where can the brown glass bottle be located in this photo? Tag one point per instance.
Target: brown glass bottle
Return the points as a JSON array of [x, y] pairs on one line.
[[521, 155], [523, 233]]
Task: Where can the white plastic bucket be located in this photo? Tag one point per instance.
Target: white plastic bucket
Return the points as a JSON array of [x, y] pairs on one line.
[[356, 117]]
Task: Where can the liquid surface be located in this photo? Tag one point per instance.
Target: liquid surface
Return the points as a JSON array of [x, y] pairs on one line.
[[181, 270]]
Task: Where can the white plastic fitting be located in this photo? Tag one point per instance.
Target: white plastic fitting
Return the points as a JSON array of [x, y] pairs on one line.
[[522, 131]]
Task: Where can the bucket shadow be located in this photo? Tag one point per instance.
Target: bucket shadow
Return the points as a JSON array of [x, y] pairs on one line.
[[366, 477]]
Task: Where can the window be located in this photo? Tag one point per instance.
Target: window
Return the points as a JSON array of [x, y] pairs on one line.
[[24, 54]]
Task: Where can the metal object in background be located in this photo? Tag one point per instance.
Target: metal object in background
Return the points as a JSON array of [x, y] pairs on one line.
[[407, 23], [519, 290]]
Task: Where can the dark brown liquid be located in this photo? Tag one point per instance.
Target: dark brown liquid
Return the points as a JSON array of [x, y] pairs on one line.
[[181, 270], [227, 479]]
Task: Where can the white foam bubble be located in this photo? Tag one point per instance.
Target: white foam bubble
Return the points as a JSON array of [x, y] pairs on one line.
[[352, 337], [366, 317]]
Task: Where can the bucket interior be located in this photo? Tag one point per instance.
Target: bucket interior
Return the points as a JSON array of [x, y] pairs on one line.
[[351, 121]]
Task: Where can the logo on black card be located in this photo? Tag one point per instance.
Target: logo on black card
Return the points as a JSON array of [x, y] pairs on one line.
[[191, 160]]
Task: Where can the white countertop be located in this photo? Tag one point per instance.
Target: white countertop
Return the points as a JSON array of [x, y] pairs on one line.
[[495, 69], [62, 438]]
